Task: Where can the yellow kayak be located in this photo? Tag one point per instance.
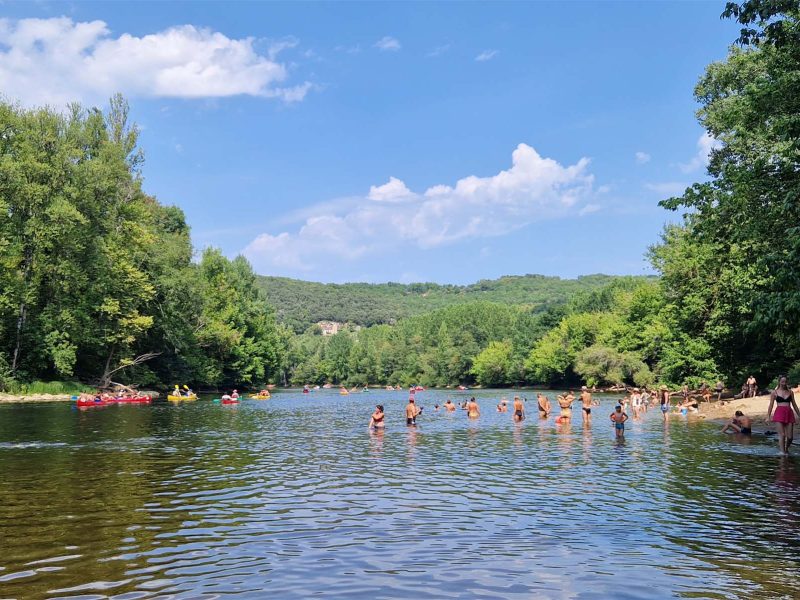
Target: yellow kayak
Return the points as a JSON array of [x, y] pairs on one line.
[[179, 398], [260, 396]]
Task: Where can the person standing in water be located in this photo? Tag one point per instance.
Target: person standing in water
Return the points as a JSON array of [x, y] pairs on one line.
[[449, 406], [473, 411], [519, 409], [618, 418], [544, 406], [565, 402], [782, 398], [663, 397], [411, 412], [377, 419], [586, 401]]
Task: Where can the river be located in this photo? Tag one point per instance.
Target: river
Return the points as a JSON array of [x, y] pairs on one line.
[[294, 498]]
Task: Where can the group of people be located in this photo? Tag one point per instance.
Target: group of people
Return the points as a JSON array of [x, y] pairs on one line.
[[544, 406]]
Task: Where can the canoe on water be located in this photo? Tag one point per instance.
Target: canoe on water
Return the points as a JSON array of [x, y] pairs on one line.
[[182, 398]]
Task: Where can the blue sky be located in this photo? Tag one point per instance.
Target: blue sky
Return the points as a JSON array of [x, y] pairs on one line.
[[395, 141]]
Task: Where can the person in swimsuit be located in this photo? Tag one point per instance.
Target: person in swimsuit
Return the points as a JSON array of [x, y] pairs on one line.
[[586, 401], [782, 399], [544, 405], [752, 388], [473, 411], [685, 394], [565, 402], [720, 388], [411, 412], [740, 423], [663, 396], [449, 406], [503, 406], [519, 409], [618, 418], [377, 419]]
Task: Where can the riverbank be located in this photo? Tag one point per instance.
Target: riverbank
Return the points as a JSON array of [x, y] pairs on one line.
[[7, 398], [755, 408]]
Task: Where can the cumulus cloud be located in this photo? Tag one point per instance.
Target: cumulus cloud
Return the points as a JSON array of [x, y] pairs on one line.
[[387, 43], [705, 145], [486, 55], [439, 50], [391, 217], [642, 158], [58, 60]]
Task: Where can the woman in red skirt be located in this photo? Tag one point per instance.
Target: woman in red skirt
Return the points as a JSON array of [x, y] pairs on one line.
[[782, 399]]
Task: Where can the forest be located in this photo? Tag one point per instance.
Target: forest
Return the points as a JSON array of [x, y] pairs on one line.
[[100, 282]]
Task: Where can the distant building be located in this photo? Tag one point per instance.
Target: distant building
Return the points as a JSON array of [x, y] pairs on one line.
[[330, 327]]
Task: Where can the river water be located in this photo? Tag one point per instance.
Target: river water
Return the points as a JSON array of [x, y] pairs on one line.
[[295, 498]]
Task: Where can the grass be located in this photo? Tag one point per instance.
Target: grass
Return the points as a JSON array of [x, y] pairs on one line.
[[46, 387]]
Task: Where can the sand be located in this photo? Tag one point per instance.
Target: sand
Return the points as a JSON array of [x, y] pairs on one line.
[[4, 398], [755, 408]]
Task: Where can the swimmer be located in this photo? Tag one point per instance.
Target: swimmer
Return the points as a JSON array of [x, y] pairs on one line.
[[449, 406], [544, 405], [501, 408], [436, 408], [618, 418], [586, 400], [740, 423], [519, 409], [411, 412], [473, 411], [377, 419]]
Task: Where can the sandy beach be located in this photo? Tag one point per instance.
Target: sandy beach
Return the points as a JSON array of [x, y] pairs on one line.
[[755, 408], [5, 398]]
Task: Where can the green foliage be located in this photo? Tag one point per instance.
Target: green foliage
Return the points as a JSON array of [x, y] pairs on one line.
[[730, 270], [492, 367], [300, 304]]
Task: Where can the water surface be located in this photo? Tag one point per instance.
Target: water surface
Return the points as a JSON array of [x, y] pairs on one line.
[[295, 498]]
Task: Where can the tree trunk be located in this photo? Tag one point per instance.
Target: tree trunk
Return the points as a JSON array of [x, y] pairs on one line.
[[23, 310]]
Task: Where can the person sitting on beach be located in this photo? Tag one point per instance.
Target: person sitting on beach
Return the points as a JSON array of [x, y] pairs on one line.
[[545, 407], [705, 392], [519, 409], [449, 406], [618, 418], [473, 411], [411, 412], [740, 423]]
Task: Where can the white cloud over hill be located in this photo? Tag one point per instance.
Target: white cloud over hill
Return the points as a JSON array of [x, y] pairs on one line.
[[391, 216], [58, 60]]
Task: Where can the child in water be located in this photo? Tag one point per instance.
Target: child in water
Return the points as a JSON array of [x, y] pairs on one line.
[[618, 418]]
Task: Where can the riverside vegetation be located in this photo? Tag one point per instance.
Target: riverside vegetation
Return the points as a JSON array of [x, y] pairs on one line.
[[98, 283]]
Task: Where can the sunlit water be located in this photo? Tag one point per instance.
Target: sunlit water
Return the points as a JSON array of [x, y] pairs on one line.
[[294, 498]]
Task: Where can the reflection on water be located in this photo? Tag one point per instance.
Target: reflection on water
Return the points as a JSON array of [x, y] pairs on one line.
[[295, 497]]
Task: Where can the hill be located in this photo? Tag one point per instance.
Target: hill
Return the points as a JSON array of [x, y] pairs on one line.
[[299, 304]]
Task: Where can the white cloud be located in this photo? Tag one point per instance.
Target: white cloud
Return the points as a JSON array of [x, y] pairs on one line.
[[705, 144], [667, 188], [392, 191], [589, 209], [642, 158], [392, 217], [388, 43], [58, 60], [486, 55], [439, 50]]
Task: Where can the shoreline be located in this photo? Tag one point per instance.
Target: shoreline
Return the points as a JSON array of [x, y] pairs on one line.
[[13, 398], [755, 408]]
